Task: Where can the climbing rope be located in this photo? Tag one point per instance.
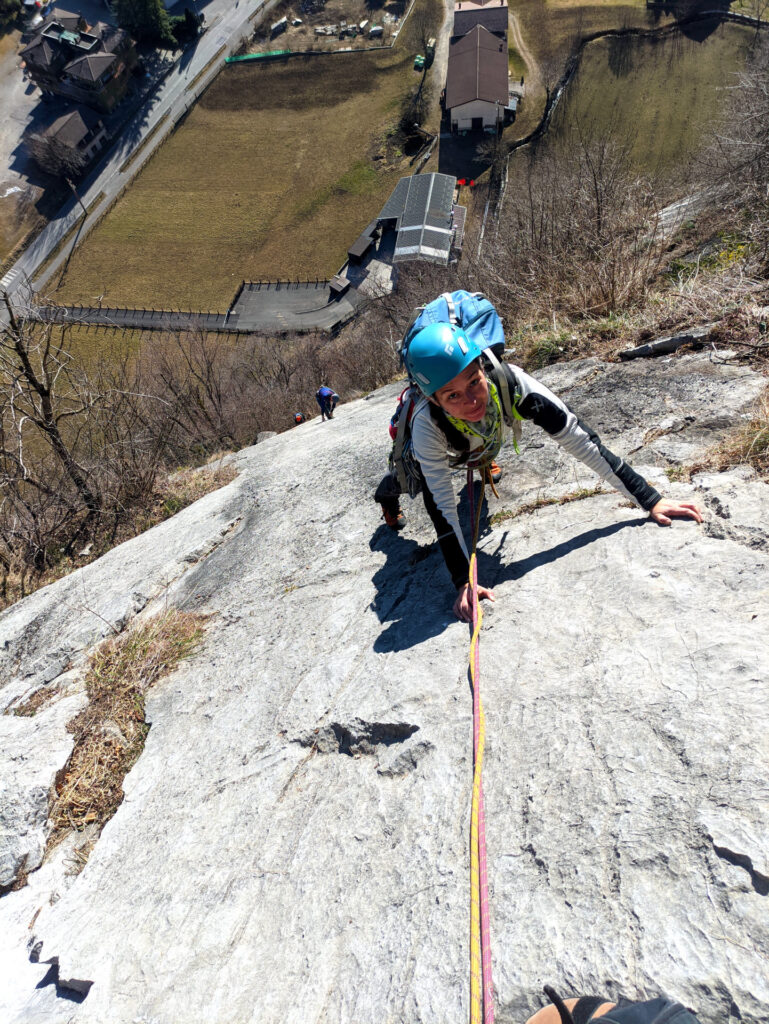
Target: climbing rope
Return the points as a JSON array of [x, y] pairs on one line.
[[481, 988]]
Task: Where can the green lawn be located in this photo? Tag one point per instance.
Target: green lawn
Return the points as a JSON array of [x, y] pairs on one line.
[[274, 174]]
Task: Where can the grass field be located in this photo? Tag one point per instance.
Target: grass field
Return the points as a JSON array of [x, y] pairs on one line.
[[551, 27], [274, 174], [543, 33], [93, 346], [657, 97]]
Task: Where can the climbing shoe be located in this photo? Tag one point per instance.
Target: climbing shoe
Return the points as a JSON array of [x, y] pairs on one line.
[[496, 473], [396, 520]]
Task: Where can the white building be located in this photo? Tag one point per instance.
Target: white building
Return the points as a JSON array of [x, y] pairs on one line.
[[477, 91]]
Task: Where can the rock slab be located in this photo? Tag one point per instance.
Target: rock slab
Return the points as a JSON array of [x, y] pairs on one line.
[[293, 843]]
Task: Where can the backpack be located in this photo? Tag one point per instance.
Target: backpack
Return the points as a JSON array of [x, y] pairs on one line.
[[478, 318], [471, 311], [402, 460], [653, 1011]]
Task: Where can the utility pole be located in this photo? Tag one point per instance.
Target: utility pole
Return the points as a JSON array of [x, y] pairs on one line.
[[75, 194]]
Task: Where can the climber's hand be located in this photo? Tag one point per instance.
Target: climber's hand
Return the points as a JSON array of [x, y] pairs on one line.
[[665, 508], [463, 606]]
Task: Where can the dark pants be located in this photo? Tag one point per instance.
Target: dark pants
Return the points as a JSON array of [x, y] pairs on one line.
[[388, 493], [327, 406]]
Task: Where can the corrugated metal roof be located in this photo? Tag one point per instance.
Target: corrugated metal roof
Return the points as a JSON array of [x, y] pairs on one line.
[[422, 207], [395, 205]]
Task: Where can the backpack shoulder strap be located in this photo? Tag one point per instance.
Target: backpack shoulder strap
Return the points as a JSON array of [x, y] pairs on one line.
[[449, 300], [400, 438], [503, 386], [503, 377]]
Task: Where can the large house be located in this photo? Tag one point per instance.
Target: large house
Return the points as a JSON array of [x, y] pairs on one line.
[[492, 14], [91, 65], [477, 90], [76, 137]]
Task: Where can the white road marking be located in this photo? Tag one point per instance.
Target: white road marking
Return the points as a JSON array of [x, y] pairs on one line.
[[10, 277]]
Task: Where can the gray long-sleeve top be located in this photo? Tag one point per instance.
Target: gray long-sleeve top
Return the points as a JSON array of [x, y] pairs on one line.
[[535, 402]]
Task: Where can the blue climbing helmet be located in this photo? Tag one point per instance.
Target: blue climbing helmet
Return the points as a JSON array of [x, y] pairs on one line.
[[437, 353], [447, 334]]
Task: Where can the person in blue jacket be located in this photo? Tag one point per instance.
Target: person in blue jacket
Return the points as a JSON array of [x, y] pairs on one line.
[[327, 400], [460, 419]]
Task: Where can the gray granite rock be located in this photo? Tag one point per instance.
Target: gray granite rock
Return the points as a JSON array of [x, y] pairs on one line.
[[293, 844], [32, 751], [664, 346]]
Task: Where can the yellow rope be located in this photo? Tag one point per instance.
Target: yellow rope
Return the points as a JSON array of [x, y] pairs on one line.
[[476, 986], [481, 1002]]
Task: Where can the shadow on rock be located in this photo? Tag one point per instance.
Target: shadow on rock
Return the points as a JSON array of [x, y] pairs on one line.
[[410, 597], [490, 568], [414, 592]]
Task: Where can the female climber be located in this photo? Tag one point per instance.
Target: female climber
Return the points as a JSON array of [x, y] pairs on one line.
[[461, 416]]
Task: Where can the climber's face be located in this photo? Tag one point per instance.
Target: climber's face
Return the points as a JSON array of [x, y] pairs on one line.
[[466, 395]]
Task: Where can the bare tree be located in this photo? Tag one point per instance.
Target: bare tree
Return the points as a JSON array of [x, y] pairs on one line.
[[75, 448], [577, 234], [492, 150], [81, 451], [421, 27], [736, 160], [41, 393], [55, 157]]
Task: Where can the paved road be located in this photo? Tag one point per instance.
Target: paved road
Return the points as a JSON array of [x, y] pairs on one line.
[[227, 25]]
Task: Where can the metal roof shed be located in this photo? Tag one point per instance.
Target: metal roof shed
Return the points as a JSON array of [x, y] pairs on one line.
[[421, 207]]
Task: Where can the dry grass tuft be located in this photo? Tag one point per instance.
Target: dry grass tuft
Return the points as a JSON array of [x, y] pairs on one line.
[[110, 732], [747, 445], [30, 707], [532, 506], [188, 485]]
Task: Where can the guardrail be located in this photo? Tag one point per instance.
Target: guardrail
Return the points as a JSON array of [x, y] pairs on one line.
[[151, 319], [317, 282]]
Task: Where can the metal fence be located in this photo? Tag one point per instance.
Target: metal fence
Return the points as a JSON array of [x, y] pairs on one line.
[[148, 319], [286, 285]]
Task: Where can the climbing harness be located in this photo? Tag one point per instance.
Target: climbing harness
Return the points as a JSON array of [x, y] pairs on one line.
[[481, 987]]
